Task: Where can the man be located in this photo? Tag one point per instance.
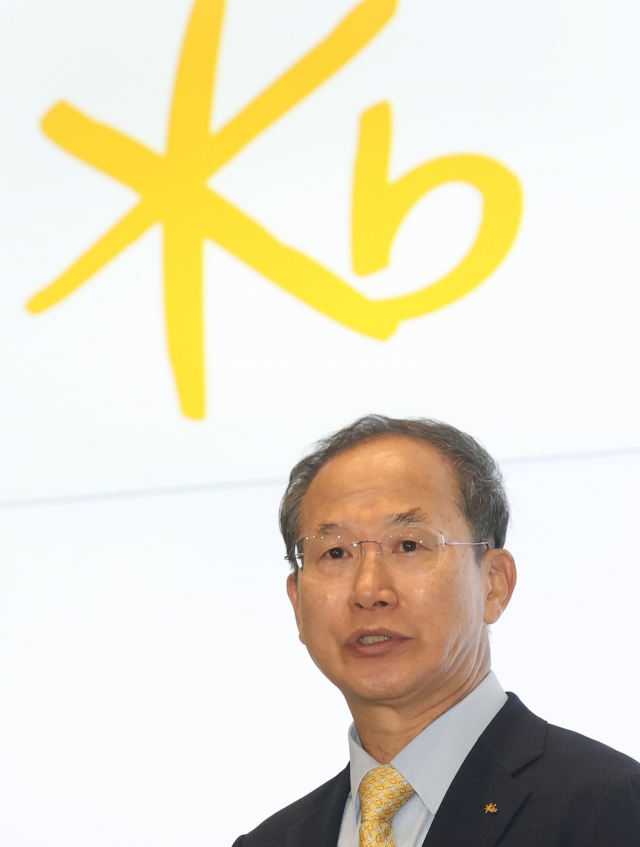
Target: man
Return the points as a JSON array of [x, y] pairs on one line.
[[395, 530]]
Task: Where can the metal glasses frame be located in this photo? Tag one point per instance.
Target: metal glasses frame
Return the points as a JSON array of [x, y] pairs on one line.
[[294, 559]]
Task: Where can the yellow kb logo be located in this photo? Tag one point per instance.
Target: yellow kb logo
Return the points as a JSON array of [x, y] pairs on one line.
[[173, 190]]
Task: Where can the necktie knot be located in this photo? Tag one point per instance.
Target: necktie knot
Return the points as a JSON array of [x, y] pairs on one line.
[[383, 792]]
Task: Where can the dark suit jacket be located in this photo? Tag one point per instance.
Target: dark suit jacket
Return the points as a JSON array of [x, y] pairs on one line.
[[551, 787]]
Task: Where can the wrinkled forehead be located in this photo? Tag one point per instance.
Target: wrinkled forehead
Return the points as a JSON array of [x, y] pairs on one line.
[[370, 483], [392, 522]]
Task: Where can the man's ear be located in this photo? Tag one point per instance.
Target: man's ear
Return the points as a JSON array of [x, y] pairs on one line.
[[293, 591], [500, 580]]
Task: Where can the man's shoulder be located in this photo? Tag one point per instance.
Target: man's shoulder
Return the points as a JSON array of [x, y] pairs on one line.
[[569, 776], [552, 786], [562, 751], [271, 830], [585, 772], [588, 757]]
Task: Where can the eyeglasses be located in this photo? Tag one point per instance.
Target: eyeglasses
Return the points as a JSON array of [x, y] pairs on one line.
[[411, 551]]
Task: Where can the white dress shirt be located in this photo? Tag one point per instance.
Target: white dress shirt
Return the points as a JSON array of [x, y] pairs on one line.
[[429, 763]]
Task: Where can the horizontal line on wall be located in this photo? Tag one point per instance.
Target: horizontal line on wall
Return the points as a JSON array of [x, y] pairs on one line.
[[256, 483], [564, 457], [140, 492]]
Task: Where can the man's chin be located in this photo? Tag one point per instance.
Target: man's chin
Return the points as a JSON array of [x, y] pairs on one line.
[[382, 689]]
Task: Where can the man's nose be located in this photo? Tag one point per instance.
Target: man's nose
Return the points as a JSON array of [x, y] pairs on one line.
[[369, 546], [373, 586]]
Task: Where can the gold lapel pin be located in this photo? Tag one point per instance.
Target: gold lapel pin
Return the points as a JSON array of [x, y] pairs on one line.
[[490, 808]]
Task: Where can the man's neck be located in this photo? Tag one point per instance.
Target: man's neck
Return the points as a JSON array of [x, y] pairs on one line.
[[386, 729]]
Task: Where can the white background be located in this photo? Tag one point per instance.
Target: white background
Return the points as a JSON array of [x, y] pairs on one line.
[[149, 668]]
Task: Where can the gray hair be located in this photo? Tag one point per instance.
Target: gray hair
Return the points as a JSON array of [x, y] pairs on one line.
[[482, 496]]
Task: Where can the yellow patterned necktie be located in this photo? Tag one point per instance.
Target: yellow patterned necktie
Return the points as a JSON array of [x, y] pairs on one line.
[[383, 792]]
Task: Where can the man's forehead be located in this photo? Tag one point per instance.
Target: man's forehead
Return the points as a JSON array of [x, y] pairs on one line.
[[390, 475], [389, 459]]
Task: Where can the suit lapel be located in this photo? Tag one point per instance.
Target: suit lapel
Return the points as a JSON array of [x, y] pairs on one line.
[[485, 795], [322, 827], [465, 816]]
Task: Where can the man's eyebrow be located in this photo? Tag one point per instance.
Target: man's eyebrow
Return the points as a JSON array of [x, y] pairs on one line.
[[409, 518], [328, 528]]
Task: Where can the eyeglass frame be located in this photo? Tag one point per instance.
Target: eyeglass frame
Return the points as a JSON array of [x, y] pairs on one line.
[[293, 560]]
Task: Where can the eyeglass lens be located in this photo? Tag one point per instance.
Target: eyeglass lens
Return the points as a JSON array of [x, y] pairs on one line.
[[333, 557]]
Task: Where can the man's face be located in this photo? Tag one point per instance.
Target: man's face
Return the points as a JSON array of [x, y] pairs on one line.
[[435, 624]]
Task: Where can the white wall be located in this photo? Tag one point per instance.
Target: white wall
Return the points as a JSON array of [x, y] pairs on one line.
[[547, 90]]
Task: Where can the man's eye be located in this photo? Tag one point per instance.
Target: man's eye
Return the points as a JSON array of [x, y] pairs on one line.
[[408, 546], [336, 553]]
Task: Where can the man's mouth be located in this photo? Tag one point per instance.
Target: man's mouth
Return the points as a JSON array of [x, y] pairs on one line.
[[373, 639]]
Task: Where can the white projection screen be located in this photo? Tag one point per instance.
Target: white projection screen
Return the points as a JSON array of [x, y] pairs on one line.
[[227, 229]]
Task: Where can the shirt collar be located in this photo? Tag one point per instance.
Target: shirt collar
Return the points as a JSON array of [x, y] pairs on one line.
[[430, 762]]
